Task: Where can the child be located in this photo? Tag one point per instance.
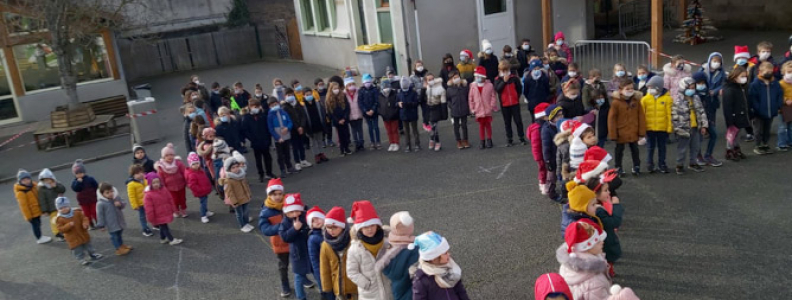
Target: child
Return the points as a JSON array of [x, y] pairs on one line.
[[457, 95], [215, 99], [369, 104], [627, 124], [524, 55], [675, 71], [355, 112], [270, 219], [564, 171], [581, 139], [549, 149], [711, 103], [367, 247], [298, 118], [583, 266], [561, 46], [315, 217], [488, 61], [570, 101], [220, 151], [199, 184], [534, 134], [643, 75], [558, 65], [689, 120], [136, 185], [333, 256], [482, 102], [785, 126], [279, 125], [28, 199], [438, 110], [408, 104], [447, 68], [766, 98], [552, 78], [715, 78], [437, 276], [227, 127], [601, 156], [278, 90], [657, 109], [338, 109], [196, 129], [509, 89], [741, 56], [764, 53], [320, 95], [294, 230], [735, 111], [241, 96], [397, 261], [298, 91], [159, 208], [466, 66], [141, 158], [171, 171], [508, 57], [315, 116], [85, 186], [48, 190], [74, 226], [536, 86], [254, 124], [551, 286], [110, 218], [573, 74], [419, 85], [388, 107], [609, 210], [237, 191], [600, 109], [620, 76]]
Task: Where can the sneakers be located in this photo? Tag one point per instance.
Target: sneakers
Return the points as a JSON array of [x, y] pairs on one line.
[[696, 168], [621, 171], [323, 157], [291, 171], [543, 189], [85, 262], [523, 141], [164, 241], [417, 148], [391, 147], [636, 170], [489, 143], [396, 147], [712, 162], [663, 169], [175, 242], [204, 220], [298, 166], [782, 149], [60, 239], [509, 143], [680, 170], [44, 240], [759, 151], [127, 247], [767, 149], [378, 146], [247, 228], [738, 153], [700, 160], [147, 233], [285, 294], [309, 285], [183, 213], [209, 213], [305, 164], [749, 138], [483, 145], [96, 256], [431, 144], [427, 128], [651, 169], [437, 147]]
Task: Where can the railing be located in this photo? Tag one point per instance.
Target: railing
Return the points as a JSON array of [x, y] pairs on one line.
[[634, 16], [602, 55]]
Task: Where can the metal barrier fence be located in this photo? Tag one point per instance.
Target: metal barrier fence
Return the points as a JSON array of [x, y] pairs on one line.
[[602, 55], [634, 16]]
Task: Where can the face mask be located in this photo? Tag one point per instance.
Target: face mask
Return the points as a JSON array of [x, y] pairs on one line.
[[258, 95], [680, 67], [479, 79], [559, 42], [448, 62], [291, 100], [742, 80], [198, 82], [536, 74], [767, 76], [224, 119], [572, 96], [553, 58], [215, 92], [508, 55], [701, 87], [600, 101], [298, 88], [352, 88], [237, 91], [275, 107], [572, 73], [715, 65], [191, 116], [367, 84], [457, 80], [405, 88], [419, 68], [526, 47], [764, 56], [195, 97], [488, 51], [619, 73], [628, 93], [742, 61], [547, 66], [652, 91], [309, 98], [788, 77], [321, 87], [336, 91], [642, 77], [690, 92], [255, 111], [386, 91], [463, 58]]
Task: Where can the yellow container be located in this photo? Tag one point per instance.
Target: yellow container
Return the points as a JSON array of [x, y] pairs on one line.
[[374, 47]]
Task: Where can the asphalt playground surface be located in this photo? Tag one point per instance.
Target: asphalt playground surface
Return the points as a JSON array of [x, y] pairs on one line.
[[721, 234]]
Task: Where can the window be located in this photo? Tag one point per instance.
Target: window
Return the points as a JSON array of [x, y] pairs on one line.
[[38, 65], [383, 3], [306, 8], [7, 104], [17, 24], [494, 6], [322, 16]]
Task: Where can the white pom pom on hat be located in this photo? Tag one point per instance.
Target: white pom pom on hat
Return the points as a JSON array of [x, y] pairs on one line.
[[405, 218]]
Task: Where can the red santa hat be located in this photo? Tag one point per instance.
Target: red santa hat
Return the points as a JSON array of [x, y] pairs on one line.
[[579, 240], [481, 72], [467, 53], [274, 185], [336, 216], [363, 214], [539, 110], [598, 154], [589, 169], [741, 52], [293, 202], [578, 129], [569, 125], [315, 212]]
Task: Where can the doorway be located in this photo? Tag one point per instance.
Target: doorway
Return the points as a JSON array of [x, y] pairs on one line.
[[496, 23]]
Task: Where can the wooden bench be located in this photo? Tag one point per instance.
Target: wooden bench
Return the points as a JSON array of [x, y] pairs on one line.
[[105, 123], [116, 106]]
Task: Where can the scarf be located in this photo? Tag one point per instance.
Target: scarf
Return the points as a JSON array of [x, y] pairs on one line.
[[69, 215], [269, 203], [338, 243], [142, 161], [373, 244], [170, 168], [447, 276], [238, 176]]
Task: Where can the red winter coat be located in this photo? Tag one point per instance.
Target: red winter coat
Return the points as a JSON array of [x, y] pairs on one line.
[[484, 103], [174, 182], [159, 206], [534, 134], [550, 283], [198, 182]]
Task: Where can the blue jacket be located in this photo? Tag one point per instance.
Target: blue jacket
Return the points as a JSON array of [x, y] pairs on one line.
[[267, 228], [765, 99], [636, 81], [369, 100], [229, 131], [298, 244], [215, 102], [273, 124], [549, 132], [340, 113], [398, 271], [409, 100], [715, 80], [256, 130], [536, 91], [315, 240]]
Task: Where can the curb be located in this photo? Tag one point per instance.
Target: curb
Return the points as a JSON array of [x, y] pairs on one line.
[[68, 165]]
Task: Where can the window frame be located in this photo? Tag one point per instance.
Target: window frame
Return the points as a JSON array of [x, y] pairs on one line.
[[105, 58], [305, 17], [330, 15]]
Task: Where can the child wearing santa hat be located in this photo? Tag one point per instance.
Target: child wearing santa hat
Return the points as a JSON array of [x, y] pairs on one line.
[[549, 149], [534, 134], [316, 218], [466, 66], [270, 219], [369, 245], [293, 230], [199, 184], [551, 286], [333, 256], [561, 140], [483, 102], [583, 137], [171, 171], [396, 262], [583, 266], [437, 276], [598, 154]]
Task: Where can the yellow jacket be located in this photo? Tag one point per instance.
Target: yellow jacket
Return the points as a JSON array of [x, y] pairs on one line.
[[466, 70], [331, 268], [787, 88], [658, 112], [135, 193], [27, 197]]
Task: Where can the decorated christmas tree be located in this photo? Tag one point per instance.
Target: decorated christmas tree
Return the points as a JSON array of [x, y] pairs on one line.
[[696, 29]]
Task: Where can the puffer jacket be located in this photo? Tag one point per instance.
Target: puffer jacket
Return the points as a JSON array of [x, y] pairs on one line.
[[159, 206], [333, 269], [435, 98], [585, 274], [174, 182], [297, 116], [715, 78], [86, 190], [466, 70], [509, 90], [47, 196], [658, 112], [27, 198], [198, 182], [735, 105], [237, 190], [298, 244], [426, 288], [457, 96], [536, 90], [269, 224], [396, 265], [549, 149], [626, 120], [135, 191], [410, 103], [534, 134], [483, 103], [75, 234], [369, 100], [108, 215], [562, 158], [671, 77], [766, 98], [389, 106], [372, 285], [680, 114]]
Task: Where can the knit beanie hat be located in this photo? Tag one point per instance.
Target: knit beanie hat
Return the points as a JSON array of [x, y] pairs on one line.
[[579, 240], [192, 158], [293, 202], [46, 174], [405, 83], [430, 245], [274, 184], [655, 82], [136, 147], [579, 196], [485, 44], [552, 110], [168, 149], [367, 78], [402, 227], [363, 214], [741, 52], [22, 174], [619, 293], [336, 216], [151, 176], [559, 36], [206, 132], [78, 167], [315, 212], [61, 202], [239, 157]]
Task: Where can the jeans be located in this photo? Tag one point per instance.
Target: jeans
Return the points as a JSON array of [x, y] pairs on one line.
[[373, 128], [762, 130], [36, 224], [434, 135], [299, 290], [298, 148], [282, 152], [513, 113], [460, 123], [283, 269], [357, 132], [242, 214], [263, 154], [116, 239], [636, 160], [79, 251], [784, 134], [411, 127], [142, 217], [688, 146], [165, 233], [713, 134], [656, 139], [203, 208], [343, 137]]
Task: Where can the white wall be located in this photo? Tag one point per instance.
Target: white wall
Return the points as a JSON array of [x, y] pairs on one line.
[[334, 49]]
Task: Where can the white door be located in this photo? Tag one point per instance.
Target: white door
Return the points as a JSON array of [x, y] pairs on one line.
[[496, 23]]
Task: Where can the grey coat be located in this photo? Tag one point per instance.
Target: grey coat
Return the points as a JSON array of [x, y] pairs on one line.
[[109, 216], [680, 114]]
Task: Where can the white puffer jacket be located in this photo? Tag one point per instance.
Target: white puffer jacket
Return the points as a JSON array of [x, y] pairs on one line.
[[585, 274], [360, 267]]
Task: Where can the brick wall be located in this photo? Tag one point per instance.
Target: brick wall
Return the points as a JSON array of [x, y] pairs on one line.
[[741, 14], [263, 12]]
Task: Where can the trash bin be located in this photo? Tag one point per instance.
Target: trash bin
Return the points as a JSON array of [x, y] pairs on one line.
[[144, 120], [373, 59], [142, 91]]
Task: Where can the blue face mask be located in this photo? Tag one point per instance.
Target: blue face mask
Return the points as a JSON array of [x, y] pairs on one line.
[[742, 61], [619, 73], [309, 98], [690, 92], [701, 87], [600, 101], [536, 73], [298, 88], [192, 116], [224, 119], [275, 107], [547, 66], [642, 77], [291, 100]]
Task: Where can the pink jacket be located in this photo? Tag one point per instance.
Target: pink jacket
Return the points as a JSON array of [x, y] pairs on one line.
[[484, 103], [159, 206], [174, 182], [355, 113], [534, 134], [198, 182], [585, 274], [671, 77]]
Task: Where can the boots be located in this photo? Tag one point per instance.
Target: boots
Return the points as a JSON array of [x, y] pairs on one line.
[[738, 153], [465, 144], [729, 154], [459, 145], [483, 145], [317, 159], [121, 251], [323, 157], [489, 143]]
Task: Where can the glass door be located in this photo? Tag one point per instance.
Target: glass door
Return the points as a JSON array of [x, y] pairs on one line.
[[9, 111]]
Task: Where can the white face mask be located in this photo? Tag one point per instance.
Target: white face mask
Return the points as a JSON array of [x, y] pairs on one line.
[[336, 91], [764, 55], [715, 65], [572, 96], [559, 42], [457, 80], [628, 93], [195, 97], [572, 73], [788, 77], [196, 81], [255, 111], [488, 51], [526, 47], [652, 91], [742, 80], [259, 95], [419, 68]]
